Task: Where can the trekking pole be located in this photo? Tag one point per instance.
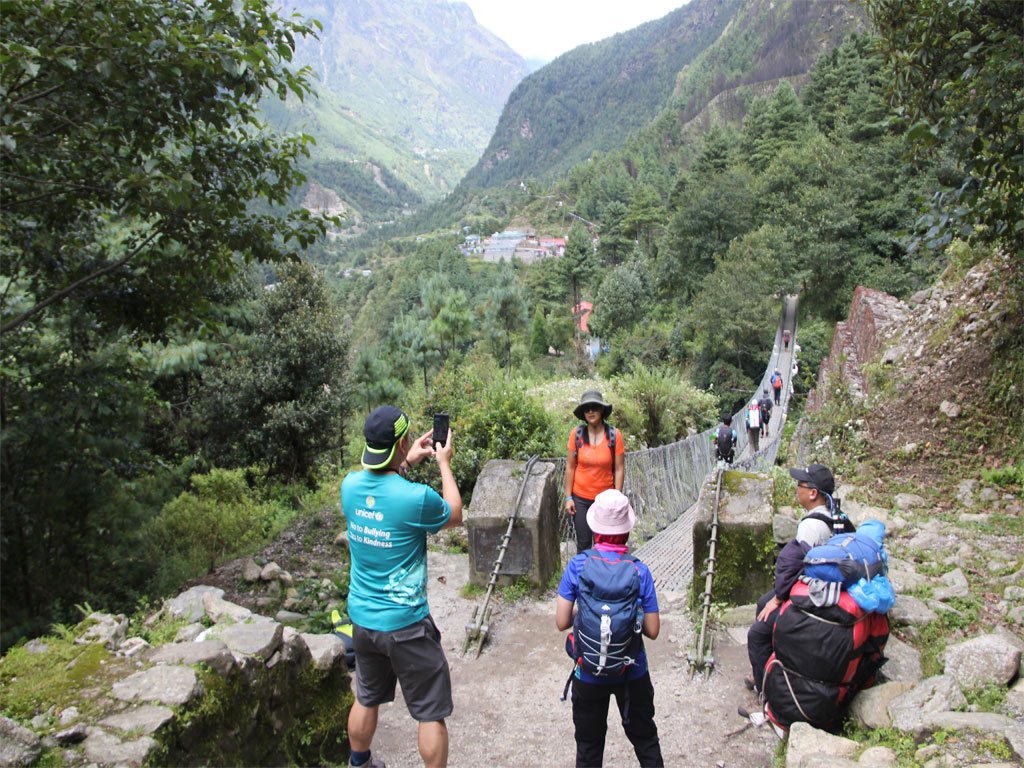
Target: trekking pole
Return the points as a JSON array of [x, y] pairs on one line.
[[698, 659], [478, 627]]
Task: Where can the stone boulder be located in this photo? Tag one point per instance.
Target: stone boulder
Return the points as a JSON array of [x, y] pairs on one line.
[[981, 661], [165, 684], [934, 694], [18, 745], [811, 748], [106, 629], [903, 662], [213, 653], [870, 707], [189, 604]]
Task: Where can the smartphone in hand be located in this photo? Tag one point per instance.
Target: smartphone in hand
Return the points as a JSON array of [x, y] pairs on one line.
[[440, 428]]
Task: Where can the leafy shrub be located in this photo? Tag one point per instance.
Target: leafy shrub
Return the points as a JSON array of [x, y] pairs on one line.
[[219, 518], [659, 407], [837, 430], [815, 340], [492, 418], [1009, 476]]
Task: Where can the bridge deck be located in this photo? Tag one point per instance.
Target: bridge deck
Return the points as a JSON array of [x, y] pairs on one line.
[[669, 555]]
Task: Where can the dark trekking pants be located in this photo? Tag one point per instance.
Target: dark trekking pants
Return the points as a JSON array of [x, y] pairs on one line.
[[584, 536], [635, 700], [753, 437], [759, 640], [778, 393]]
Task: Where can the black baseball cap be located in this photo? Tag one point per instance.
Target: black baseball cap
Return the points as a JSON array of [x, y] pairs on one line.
[[818, 476], [383, 428]]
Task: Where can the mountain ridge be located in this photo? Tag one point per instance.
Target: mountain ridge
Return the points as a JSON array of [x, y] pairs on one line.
[[413, 88], [724, 50]]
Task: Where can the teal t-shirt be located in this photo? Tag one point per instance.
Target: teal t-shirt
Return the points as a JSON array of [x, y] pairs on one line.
[[388, 521]]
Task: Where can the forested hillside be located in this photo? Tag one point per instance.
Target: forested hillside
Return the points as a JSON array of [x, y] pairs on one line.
[[592, 98], [179, 382]]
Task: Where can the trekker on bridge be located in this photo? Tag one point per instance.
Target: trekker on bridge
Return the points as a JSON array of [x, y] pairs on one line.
[[617, 607], [777, 385], [813, 483], [765, 404], [753, 424], [394, 637], [596, 461], [724, 438]]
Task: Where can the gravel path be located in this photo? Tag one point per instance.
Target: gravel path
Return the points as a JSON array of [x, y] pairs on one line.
[[507, 702]]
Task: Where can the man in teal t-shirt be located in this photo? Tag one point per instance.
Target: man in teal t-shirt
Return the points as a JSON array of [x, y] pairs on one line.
[[394, 637]]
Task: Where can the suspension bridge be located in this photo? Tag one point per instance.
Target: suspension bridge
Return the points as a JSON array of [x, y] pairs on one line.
[[663, 483]]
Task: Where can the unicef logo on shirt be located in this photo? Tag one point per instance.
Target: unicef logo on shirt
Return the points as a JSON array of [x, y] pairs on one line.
[[370, 501]]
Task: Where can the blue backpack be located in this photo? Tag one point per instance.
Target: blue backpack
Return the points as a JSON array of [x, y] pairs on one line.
[[606, 633], [846, 558]]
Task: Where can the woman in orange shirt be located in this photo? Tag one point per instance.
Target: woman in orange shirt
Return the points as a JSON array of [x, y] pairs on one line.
[[595, 463]]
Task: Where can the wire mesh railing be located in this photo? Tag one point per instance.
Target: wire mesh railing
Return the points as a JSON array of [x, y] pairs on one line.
[[663, 482]]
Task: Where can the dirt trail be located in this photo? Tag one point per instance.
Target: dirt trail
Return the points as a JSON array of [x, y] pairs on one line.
[[507, 707]]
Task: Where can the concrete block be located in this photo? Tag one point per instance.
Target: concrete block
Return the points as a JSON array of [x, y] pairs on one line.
[[533, 546], [745, 553]]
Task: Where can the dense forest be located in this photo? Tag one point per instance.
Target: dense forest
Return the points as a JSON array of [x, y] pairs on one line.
[[179, 380]]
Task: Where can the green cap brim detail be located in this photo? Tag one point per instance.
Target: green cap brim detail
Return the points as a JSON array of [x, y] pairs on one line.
[[374, 458]]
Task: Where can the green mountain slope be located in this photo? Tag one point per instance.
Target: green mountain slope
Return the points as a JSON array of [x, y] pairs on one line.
[[767, 40], [591, 98], [412, 88], [709, 52]]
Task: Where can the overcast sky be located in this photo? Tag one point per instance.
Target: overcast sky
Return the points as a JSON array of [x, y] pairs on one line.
[[544, 29]]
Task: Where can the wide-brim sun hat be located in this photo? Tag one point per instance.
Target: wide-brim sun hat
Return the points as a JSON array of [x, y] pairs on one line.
[[611, 513], [592, 397], [383, 428]]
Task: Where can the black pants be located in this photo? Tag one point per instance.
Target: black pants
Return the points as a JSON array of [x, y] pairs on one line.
[[753, 435], [778, 393], [759, 640], [635, 700], [584, 536]]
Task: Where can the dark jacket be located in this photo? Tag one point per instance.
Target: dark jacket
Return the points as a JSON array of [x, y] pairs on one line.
[[788, 567]]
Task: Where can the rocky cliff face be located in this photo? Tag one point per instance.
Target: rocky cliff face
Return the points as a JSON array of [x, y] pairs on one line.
[[857, 340], [923, 370]]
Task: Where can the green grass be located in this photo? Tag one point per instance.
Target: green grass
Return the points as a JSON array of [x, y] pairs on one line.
[[900, 742], [991, 698], [30, 683], [947, 628]]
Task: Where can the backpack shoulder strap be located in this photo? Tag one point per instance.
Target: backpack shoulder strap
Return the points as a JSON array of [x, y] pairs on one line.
[[611, 434], [579, 439]]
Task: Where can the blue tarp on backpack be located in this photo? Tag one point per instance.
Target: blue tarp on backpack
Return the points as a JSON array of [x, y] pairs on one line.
[[874, 596], [849, 557]]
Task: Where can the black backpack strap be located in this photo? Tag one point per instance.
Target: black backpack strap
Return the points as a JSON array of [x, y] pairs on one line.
[[579, 440], [568, 682]]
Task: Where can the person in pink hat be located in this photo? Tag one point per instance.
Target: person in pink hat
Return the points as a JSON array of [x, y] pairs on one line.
[[616, 606]]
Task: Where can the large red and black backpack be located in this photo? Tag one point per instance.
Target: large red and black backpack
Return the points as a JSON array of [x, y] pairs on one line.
[[822, 658]]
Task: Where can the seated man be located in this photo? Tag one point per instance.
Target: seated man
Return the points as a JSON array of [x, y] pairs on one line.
[[813, 483]]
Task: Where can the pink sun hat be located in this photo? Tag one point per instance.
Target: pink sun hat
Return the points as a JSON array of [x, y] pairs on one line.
[[611, 514]]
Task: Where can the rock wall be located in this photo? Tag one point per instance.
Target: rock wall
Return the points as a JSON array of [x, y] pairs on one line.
[[857, 340], [233, 688]]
